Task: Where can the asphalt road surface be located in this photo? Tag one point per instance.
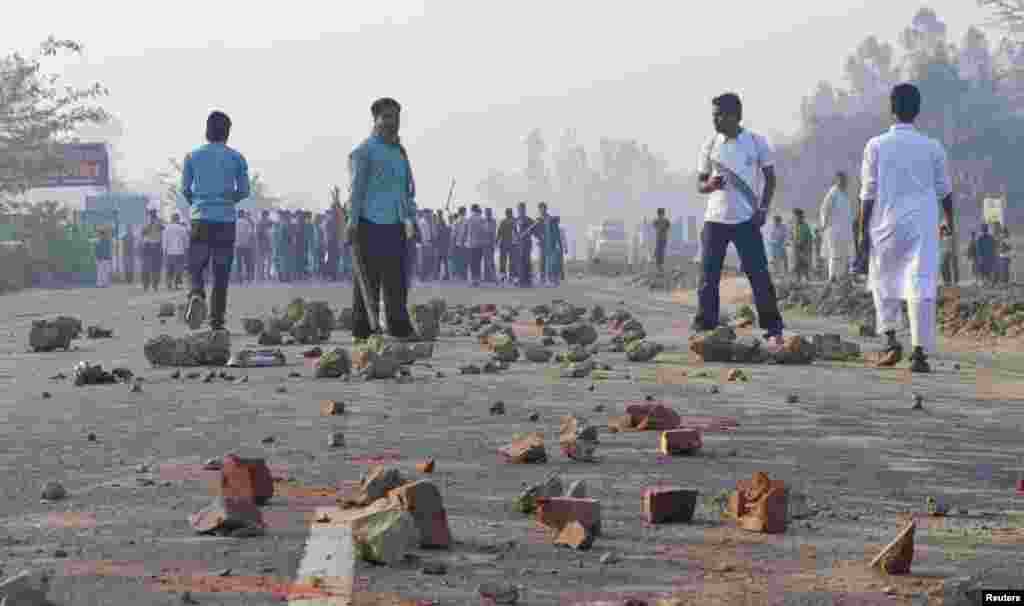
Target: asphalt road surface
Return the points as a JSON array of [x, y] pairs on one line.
[[851, 443]]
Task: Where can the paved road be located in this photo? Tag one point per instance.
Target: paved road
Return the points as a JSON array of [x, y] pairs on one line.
[[851, 443]]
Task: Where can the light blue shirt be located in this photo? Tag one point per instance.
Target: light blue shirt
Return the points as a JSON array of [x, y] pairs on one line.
[[214, 179], [382, 189]]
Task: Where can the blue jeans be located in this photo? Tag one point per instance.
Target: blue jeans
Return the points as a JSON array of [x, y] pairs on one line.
[[749, 245], [212, 244]]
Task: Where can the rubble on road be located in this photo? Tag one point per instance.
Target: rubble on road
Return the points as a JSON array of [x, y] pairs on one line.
[[723, 345], [678, 278], [98, 332], [86, 373], [252, 326], [50, 335], [385, 533], [759, 504], [643, 351], [556, 512], [526, 502], [684, 441], [228, 517], [423, 500], [53, 491], [259, 358], [498, 593], [577, 439], [426, 320], [668, 505], [898, 555], [526, 450], [374, 485], [209, 348], [645, 416], [247, 478], [331, 407], [537, 354], [27, 588]]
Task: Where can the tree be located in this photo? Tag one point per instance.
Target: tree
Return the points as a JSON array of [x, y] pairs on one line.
[[36, 114], [1006, 14]]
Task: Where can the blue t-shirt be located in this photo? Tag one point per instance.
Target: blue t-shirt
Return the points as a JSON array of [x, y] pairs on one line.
[[217, 177], [382, 187]]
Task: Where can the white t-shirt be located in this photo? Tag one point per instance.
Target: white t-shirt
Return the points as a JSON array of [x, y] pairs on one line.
[[747, 156]]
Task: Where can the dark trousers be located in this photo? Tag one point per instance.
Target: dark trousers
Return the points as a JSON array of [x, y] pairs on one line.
[[947, 268], [152, 262], [476, 259], [246, 264], [212, 244], [750, 246], [129, 265], [441, 267], [525, 271], [384, 253], [504, 256], [659, 253], [175, 267], [489, 271]]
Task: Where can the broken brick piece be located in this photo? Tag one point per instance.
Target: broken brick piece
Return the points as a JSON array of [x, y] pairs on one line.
[[680, 441], [556, 512], [650, 416], [332, 407], [425, 466], [527, 450], [246, 478], [668, 504], [760, 504], [423, 500], [622, 423], [576, 535], [898, 555]]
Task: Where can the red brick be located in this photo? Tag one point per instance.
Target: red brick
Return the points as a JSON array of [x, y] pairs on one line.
[[760, 504], [556, 512], [247, 478], [680, 441], [652, 416], [668, 504]]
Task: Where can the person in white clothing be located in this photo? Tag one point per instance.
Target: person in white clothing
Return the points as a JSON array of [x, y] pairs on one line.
[[904, 174], [176, 238], [836, 219]]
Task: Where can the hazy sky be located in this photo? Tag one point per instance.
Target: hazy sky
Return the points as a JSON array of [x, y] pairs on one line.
[[298, 77]]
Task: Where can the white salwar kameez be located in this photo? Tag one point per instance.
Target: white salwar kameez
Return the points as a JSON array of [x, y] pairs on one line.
[[837, 238], [906, 174]]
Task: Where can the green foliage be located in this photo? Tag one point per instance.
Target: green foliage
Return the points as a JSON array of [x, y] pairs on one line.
[[36, 113]]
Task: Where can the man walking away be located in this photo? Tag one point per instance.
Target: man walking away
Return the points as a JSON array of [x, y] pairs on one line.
[[539, 232], [728, 170], [803, 246], [905, 174], [104, 256], [972, 255], [837, 221], [506, 244], [490, 273], [381, 221], [986, 256], [777, 240], [152, 248], [245, 240], [264, 246], [442, 243], [215, 178], [661, 230], [946, 257], [175, 248], [524, 244], [476, 243]]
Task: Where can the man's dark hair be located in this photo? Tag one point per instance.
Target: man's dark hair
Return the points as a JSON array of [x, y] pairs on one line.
[[508, 211], [906, 102], [841, 173], [218, 127], [729, 103], [475, 208], [661, 211], [381, 104]]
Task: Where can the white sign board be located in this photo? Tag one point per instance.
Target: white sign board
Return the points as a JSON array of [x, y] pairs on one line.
[[995, 210]]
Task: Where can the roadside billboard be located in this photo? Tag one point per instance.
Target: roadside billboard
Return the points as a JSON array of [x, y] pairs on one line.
[[83, 165]]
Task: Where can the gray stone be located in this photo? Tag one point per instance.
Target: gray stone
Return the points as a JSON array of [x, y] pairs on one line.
[[210, 348], [27, 588], [50, 335], [53, 491], [579, 334], [426, 320], [333, 364]]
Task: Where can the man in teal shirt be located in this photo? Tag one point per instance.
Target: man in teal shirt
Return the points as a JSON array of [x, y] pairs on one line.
[[214, 179], [381, 221]]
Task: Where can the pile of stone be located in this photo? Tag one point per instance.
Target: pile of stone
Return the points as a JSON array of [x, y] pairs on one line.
[[302, 322], [93, 374], [51, 335], [722, 345], [208, 348]]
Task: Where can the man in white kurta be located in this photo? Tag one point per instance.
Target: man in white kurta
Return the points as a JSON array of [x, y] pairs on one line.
[[836, 219], [904, 176]]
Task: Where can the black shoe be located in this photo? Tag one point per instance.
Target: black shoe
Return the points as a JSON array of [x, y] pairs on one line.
[[919, 361]]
